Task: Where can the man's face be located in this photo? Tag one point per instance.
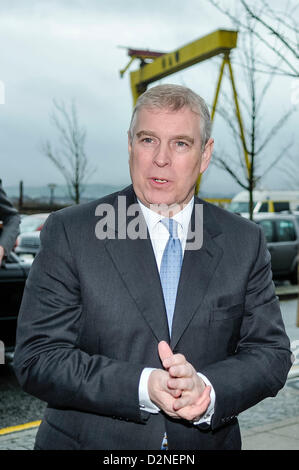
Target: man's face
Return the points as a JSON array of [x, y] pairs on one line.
[[165, 156]]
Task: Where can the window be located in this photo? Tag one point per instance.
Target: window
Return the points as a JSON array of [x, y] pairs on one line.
[[281, 206], [268, 229], [285, 231], [264, 207], [238, 207]]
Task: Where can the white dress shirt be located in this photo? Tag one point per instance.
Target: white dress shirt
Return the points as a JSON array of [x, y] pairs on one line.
[[159, 236]]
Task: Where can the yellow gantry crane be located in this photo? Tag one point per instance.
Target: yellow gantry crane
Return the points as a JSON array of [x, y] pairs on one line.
[[156, 65]]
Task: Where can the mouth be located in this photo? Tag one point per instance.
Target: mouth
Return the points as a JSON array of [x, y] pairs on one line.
[[160, 180]]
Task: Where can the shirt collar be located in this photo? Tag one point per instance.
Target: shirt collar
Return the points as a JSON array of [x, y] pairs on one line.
[[183, 217]]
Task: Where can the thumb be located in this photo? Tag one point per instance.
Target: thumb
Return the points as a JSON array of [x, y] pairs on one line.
[[164, 350]]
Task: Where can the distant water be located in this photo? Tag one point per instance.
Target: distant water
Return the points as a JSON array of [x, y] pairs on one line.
[[91, 192], [42, 193]]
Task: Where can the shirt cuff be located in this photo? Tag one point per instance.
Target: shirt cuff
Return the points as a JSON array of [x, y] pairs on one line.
[[206, 418], [145, 402]]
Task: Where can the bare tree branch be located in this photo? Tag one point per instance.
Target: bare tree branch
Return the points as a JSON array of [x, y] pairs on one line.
[[256, 133], [280, 19], [270, 28], [221, 163], [292, 70], [275, 129], [273, 163], [231, 122], [70, 158], [289, 171]]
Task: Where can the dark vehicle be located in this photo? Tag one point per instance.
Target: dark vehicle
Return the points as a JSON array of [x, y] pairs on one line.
[[13, 275], [28, 243], [282, 235]]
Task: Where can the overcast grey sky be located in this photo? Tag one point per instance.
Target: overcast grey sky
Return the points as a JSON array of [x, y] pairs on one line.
[[69, 50]]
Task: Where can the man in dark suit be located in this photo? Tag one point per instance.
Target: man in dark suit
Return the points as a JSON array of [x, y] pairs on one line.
[[125, 358], [10, 225]]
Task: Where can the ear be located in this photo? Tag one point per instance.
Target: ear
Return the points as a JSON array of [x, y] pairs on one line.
[[129, 142], [206, 155]]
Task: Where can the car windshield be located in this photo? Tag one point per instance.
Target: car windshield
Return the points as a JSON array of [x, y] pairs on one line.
[[238, 206], [30, 224]]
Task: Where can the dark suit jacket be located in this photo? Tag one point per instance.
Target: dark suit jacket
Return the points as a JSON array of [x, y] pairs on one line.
[[11, 220], [93, 313]]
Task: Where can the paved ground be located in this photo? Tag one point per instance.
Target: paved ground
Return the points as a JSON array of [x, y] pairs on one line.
[[272, 424], [16, 406], [276, 434], [283, 435], [21, 440]]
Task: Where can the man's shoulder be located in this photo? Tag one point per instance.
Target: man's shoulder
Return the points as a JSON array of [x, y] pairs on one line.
[[83, 212]]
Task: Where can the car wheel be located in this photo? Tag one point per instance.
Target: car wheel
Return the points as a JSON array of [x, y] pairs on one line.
[[294, 276]]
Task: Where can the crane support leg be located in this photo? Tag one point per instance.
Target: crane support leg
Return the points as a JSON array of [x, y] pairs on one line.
[[226, 61]]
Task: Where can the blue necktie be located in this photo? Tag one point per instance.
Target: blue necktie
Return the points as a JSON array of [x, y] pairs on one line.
[[171, 268], [170, 271]]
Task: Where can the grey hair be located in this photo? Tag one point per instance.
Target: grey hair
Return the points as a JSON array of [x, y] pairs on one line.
[[174, 97]]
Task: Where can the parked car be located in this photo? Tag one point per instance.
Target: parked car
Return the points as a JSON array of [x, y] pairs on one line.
[[28, 244], [282, 235], [13, 275], [33, 222], [28, 241]]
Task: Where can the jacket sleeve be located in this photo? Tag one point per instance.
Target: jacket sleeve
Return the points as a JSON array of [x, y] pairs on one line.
[[260, 364], [48, 362], [11, 221]]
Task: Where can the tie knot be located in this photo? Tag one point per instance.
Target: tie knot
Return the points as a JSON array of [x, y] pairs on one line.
[[172, 227]]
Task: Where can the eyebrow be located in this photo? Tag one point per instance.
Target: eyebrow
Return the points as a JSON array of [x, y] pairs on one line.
[[184, 137], [177, 137], [141, 133]]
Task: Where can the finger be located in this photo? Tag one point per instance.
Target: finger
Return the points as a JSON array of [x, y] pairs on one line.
[[189, 399], [191, 413], [176, 393], [186, 405], [164, 350], [182, 402], [175, 359], [205, 393], [184, 370], [182, 384]]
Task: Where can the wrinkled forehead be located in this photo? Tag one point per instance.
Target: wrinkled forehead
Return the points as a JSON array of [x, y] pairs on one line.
[[151, 112]]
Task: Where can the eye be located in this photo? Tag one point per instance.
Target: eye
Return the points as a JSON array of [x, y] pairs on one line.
[[147, 140], [181, 145]]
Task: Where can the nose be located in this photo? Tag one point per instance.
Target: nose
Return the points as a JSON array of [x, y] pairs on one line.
[[162, 156]]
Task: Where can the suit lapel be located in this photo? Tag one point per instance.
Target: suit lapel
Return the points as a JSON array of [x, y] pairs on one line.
[[197, 271], [136, 264]]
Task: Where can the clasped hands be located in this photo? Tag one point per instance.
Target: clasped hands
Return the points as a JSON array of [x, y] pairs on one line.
[[178, 390]]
